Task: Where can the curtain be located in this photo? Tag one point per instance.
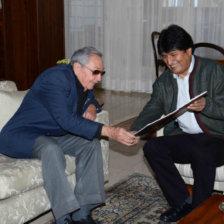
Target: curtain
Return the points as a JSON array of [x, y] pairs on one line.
[[121, 30]]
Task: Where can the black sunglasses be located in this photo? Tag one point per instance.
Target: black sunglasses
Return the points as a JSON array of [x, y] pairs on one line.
[[95, 72]]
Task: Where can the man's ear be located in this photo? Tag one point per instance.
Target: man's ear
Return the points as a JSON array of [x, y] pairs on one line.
[[189, 51], [76, 68]]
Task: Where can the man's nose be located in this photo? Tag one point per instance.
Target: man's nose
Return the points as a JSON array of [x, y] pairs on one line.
[[99, 77]]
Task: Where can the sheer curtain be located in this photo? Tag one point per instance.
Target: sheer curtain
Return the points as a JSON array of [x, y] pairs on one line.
[[121, 29]]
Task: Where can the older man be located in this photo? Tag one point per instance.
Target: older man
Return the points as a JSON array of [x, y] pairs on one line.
[[56, 118], [196, 137]]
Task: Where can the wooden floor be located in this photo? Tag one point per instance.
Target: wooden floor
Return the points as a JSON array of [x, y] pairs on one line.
[[207, 213]]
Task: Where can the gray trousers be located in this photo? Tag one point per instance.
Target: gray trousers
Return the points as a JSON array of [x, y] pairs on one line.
[[89, 189]]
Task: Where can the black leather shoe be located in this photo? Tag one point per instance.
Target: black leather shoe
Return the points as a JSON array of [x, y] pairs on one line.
[[174, 214], [87, 220]]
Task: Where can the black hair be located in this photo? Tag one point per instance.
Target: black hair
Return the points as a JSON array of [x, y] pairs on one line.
[[172, 38]]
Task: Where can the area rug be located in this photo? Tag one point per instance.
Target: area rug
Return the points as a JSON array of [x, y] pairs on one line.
[[137, 199]]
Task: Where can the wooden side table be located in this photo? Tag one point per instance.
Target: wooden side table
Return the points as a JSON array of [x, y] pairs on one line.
[[207, 213]]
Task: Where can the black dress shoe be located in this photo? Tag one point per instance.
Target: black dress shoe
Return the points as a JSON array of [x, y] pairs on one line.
[[87, 220], [174, 214]]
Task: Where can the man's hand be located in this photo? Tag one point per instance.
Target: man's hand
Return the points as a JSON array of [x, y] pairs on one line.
[[120, 135], [90, 112], [198, 105]]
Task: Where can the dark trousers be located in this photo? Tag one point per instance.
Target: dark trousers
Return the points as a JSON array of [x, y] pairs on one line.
[[203, 152]]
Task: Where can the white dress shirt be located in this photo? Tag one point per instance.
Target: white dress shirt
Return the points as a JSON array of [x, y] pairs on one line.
[[187, 122]]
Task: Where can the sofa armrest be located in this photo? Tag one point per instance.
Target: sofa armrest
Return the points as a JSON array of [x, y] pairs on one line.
[[9, 103], [103, 117], [8, 85]]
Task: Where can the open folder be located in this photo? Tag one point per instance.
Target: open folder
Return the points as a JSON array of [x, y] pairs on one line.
[[157, 124]]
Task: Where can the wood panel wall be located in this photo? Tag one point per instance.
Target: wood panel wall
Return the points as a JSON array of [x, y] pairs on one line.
[[1, 47], [33, 38]]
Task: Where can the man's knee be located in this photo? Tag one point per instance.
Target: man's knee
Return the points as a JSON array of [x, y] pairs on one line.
[[91, 148], [49, 149], [96, 146], [52, 149]]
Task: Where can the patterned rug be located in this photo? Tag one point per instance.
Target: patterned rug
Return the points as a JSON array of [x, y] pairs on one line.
[[138, 199]]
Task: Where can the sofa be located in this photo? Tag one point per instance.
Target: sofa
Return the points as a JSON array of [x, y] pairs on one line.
[[187, 173], [22, 195]]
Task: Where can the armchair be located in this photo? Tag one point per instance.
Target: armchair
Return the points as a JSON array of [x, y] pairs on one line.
[[159, 64]]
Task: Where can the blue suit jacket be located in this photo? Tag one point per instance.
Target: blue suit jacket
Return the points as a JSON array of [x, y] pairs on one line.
[[49, 108]]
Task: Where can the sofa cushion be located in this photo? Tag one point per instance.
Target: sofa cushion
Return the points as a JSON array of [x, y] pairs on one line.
[[21, 175], [28, 205], [9, 103]]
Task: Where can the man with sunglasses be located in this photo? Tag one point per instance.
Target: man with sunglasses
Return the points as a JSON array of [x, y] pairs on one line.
[[56, 118]]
